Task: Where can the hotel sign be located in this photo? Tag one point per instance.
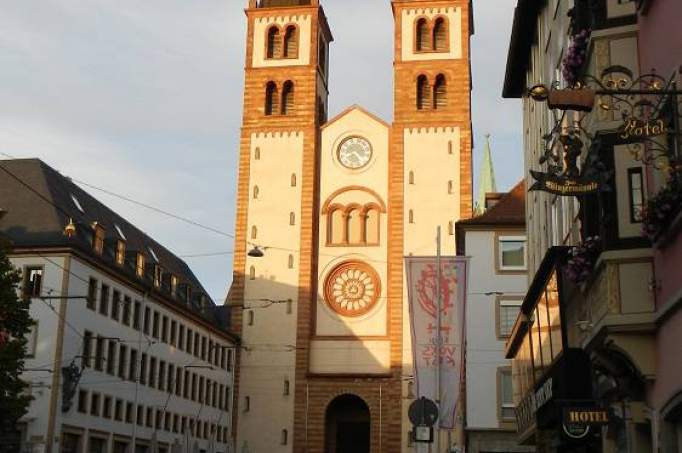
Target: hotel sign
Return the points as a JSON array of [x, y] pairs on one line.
[[636, 128], [577, 422]]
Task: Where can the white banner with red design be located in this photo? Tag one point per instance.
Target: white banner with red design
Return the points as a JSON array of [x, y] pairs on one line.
[[423, 301]]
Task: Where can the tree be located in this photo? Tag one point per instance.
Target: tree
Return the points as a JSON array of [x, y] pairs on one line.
[[15, 324]]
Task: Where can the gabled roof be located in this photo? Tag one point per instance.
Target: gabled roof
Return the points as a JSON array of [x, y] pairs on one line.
[[37, 222], [354, 108]]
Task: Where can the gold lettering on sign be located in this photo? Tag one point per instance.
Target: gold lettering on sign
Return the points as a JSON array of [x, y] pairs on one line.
[[588, 417], [642, 129]]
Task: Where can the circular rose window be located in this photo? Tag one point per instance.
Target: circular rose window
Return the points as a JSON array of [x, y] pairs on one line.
[[352, 289]]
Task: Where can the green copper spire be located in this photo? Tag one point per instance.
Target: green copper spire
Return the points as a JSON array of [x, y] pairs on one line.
[[486, 182]]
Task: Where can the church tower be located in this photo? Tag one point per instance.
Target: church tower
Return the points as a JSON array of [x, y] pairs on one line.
[[285, 101]]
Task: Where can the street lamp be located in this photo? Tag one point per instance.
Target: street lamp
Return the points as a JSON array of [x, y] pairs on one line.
[[256, 252]]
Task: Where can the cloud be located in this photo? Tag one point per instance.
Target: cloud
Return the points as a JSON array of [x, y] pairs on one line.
[[145, 98]]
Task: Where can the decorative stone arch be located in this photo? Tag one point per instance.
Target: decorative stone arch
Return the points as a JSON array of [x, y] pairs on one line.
[[357, 439], [333, 196]]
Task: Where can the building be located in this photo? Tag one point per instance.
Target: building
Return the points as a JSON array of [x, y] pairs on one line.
[[326, 212], [128, 350], [586, 334], [659, 38], [496, 243]]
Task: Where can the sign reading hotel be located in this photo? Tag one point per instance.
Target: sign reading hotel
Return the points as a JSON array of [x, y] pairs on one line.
[[634, 128]]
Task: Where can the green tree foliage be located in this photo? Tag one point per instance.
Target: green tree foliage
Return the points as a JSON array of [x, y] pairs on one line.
[[15, 324]]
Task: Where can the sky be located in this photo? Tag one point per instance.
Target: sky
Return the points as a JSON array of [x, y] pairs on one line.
[[143, 98]]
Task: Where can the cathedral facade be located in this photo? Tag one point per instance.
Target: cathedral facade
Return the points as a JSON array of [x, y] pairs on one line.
[[326, 212]]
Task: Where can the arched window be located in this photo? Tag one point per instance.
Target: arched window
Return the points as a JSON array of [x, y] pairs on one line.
[[354, 226], [271, 98], [450, 187], [440, 35], [440, 93], [254, 232], [372, 226], [293, 180], [252, 273], [256, 192], [292, 218], [451, 228], [287, 97], [274, 42], [256, 154], [410, 216], [411, 177], [251, 317], [450, 147], [285, 437], [291, 42], [422, 35], [336, 233], [291, 262], [423, 93]]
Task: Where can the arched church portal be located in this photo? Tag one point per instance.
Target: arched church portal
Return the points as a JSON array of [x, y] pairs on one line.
[[347, 425]]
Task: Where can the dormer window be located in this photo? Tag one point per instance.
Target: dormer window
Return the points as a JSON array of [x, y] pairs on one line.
[[157, 276], [139, 265], [188, 293], [98, 239], [174, 285], [120, 252]]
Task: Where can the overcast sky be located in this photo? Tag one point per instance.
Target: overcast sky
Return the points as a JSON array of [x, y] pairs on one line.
[[144, 98]]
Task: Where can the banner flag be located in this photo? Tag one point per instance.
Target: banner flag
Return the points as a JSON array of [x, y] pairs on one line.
[[423, 302]]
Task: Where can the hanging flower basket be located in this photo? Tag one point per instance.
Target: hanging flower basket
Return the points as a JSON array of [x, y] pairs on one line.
[[575, 57], [662, 209], [582, 260]]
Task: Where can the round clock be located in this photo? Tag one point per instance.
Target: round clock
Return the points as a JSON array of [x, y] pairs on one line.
[[352, 289], [354, 152]]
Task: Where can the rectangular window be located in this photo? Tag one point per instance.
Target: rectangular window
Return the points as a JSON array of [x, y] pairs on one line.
[[227, 398], [512, 253], [161, 384], [139, 265], [83, 401], [164, 329], [118, 410], [132, 369], [636, 190], [33, 281], [143, 369], [203, 348], [150, 417], [173, 332], [127, 303], [111, 357], [106, 407], [188, 345], [87, 348], [201, 389], [120, 252], [155, 325], [104, 300], [228, 366], [99, 353], [181, 337], [194, 387], [507, 312], [171, 376], [92, 294], [136, 315], [129, 412], [140, 415], [152, 372], [186, 386], [147, 320], [116, 307], [94, 404], [122, 355], [98, 240], [159, 419], [197, 345], [178, 381], [507, 409]]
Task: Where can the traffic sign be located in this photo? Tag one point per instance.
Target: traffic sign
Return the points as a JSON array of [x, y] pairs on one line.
[[423, 412]]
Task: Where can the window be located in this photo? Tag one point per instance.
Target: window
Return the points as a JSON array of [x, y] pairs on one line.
[[252, 273], [287, 97], [450, 187], [132, 368], [33, 281], [274, 42], [422, 35], [120, 252], [174, 285], [83, 401], [636, 191], [122, 353], [127, 302], [152, 372], [256, 192], [136, 315], [106, 407], [157, 276], [111, 357], [139, 419], [290, 306], [292, 218], [181, 337], [440, 35], [118, 410], [155, 325], [139, 265], [291, 42], [247, 403], [336, 228], [285, 437], [150, 417], [354, 226], [98, 239], [164, 329], [410, 216], [173, 332], [507, 312], [293, 180], [178, 382], [115, 308], [423, 93], [451, 228], [147, 318], [129, 412], [143, 369], [250, 317], [271, 98], [285, 392], [512, 253], [87, 348], [99, 353], [371, 218], [170, 379], [410, 178], [440, 93], [254, 232], [94, 404], [188, 346], [450, 147], [506, 395], [291, 262], [92, 294], [203, 348]]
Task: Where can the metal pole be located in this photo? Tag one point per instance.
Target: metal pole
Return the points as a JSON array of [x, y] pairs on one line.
[[438, 336]]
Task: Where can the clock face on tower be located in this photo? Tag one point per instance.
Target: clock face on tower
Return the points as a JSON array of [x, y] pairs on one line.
[[352, 289], [354, 152]]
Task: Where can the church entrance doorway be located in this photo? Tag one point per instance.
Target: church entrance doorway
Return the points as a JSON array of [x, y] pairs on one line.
[[347, 425]]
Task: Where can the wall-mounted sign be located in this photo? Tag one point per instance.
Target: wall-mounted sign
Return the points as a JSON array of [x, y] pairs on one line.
[[577, 422], [635, 128]]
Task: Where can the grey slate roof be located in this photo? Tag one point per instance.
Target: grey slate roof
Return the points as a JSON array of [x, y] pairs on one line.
[[32, 222]]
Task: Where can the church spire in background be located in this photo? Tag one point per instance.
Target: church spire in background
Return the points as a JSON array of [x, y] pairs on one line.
[[486, 183]]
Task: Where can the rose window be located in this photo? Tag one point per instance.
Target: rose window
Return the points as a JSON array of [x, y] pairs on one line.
[[352, 289]]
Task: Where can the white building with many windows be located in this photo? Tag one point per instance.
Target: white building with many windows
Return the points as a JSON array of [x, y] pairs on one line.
[[128, 353], [496, 243]]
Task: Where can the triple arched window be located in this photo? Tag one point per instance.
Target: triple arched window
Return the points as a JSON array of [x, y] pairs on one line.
[[282, 42], [353, 225], [276, 104], [431, 35], [432, 96]]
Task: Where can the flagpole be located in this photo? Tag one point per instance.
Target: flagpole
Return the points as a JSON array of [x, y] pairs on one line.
[[438, 335]]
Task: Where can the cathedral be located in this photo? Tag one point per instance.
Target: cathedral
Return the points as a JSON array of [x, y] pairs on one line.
[[327, 210]]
